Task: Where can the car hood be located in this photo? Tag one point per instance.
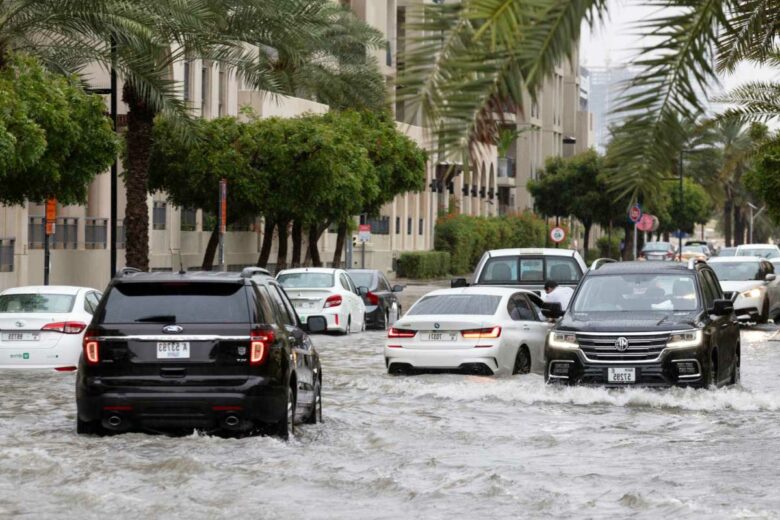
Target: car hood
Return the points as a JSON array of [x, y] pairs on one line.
[[657, 321], [737, 286]]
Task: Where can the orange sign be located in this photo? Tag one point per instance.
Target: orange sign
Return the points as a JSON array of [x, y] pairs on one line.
[[51, 215]]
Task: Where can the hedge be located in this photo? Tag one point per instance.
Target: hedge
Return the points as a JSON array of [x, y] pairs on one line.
[[424, 264], [466, 238]]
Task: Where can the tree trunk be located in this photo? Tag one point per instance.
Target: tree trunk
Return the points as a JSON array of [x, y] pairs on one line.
[[739, 227], [628, 242], [211, 250], [314, 236], [140, 120], [340, 240], [297, 238], [268, 240], [728, 209], [586, 236], [281, 256]]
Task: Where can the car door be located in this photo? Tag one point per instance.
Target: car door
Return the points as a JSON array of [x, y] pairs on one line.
[[726, 330], [772, 288], [532, 327], [387, 297], [357, 307]]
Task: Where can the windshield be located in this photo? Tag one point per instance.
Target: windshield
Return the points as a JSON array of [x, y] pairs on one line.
[[362, 279], [656, 246], [306, 280], [36, 302], [693, 249], [515, 269], [474, 304], [736, 271], [637, 293], [728, 251], [176, 302], [763, 252]]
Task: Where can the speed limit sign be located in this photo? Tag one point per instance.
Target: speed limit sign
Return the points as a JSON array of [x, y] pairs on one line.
[[557, 234]]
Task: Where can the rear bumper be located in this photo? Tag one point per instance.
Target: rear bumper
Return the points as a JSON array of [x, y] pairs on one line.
[[255, 404], [450, 359], [375, 317], [748, 309]]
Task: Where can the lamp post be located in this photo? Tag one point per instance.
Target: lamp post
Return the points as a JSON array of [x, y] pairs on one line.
[[682, 205], [753, 216]]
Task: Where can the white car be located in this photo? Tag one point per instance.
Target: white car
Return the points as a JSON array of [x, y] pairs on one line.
[[753, 285], [43, 326], [486, 330], [768, 251], [325, 292]]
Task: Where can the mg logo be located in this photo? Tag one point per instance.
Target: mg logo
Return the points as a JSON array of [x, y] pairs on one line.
[[172, 329], [621, 344]]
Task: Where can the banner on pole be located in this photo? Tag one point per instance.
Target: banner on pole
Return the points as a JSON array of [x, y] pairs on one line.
[[51, 215]]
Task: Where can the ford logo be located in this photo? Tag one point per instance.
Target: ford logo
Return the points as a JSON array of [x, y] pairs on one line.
[[621, 344], [172, 329]]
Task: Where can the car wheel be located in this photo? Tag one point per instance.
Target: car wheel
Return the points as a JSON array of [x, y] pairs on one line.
[[735, 370], [363, 327], [286, 425], [764, 317], [88, 427], [522, 361], [711, 377], [316, 411]]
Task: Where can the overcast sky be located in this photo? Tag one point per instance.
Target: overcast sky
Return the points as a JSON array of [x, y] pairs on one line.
[[616, 42]]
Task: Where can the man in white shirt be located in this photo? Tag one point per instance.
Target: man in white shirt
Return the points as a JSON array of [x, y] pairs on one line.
[[556, 294]]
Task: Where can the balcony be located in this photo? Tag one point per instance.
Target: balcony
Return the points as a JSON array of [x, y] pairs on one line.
[[507, 172]]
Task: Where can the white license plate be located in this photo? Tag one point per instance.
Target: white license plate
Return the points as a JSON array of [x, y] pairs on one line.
[[173, 350], [21, 336], [621, 375], [440, 336], [304, 305]]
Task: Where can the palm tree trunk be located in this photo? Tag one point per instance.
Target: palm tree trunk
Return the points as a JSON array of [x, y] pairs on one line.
[[211, 250], [140, 121], [268, 240], [728, 209], [340, 241], [281, 256], [297, 238], [739, 227], [586, 236]]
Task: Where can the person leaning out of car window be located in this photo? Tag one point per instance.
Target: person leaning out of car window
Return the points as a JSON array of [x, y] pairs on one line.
[[557, 294]]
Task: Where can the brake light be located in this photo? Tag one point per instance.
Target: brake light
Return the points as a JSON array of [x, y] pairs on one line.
[[65, 327], [91, 350], [373, 299], [333, 301], [488, 333], [400, 333], [261, 341]]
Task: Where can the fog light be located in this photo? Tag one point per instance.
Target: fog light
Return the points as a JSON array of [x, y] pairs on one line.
[[560, 369], [687, 368]]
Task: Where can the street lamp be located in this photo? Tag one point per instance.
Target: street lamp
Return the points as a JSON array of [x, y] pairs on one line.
[[752, 216]]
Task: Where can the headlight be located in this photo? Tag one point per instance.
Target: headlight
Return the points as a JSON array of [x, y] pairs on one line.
[[752, 293], [565, 340], [685, 339]]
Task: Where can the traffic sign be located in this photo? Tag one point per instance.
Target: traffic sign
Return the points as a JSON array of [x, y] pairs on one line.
[[557, 234], [647, 223], [635, 213], [364, 233], [51, 215]]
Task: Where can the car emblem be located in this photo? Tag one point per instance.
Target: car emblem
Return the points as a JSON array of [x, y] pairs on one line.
[[241, 351], [19, 324], [172, 329], [435, 325], [621, 344]]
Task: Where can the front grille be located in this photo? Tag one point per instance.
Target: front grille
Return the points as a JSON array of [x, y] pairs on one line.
[[640, 347]]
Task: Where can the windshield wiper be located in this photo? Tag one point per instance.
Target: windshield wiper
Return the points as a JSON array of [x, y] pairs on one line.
[[158, 318]]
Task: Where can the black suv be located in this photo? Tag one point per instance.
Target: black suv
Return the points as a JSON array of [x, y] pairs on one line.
[[646, 323], [218, 352]]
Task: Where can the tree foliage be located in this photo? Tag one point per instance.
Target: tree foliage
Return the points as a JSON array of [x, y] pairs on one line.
[[763, 180], [54, 138]]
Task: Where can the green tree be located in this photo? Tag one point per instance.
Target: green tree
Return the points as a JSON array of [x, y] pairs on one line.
[[763, 179], [696, 208], [54, 138]]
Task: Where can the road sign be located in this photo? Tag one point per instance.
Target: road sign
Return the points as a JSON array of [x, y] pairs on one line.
[[635, 213], [364, 233], [51, 215], [557, 234], [647, 223]]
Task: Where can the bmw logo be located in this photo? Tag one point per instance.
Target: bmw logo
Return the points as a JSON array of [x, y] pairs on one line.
[[435, 325], [621, 344]]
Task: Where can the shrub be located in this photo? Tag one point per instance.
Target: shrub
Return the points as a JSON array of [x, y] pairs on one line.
[[466, 238], [603, 246], [424, 264]]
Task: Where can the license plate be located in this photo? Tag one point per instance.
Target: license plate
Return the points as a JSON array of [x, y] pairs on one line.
[[21, 336], [440, 336], [173, 350], [621, 375], [304, 305]]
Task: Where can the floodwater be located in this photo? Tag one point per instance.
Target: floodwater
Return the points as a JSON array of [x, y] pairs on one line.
[[429, 446]]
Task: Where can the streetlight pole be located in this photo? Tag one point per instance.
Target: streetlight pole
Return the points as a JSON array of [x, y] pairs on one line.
[[682, 205], [753, 216]]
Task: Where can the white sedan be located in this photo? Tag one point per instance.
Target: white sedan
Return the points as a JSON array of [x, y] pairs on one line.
[[325, 292], [752, 284], [43, 326], [485, 330]]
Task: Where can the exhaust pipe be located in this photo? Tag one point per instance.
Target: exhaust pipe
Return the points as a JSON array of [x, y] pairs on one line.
[[114, 421], [232, 421]]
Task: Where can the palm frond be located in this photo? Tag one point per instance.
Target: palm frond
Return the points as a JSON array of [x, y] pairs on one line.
[[750, 33], [755, 101]]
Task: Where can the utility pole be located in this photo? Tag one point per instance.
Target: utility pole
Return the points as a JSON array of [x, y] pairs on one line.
[[222, 218], [112, 268], [682, 205]]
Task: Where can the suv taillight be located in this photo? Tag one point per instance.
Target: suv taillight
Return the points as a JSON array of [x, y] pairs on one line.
[[91, 349], [65, 327], [333, 301], [261, 341]]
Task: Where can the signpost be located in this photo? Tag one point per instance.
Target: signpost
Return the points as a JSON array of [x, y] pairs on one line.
[[557, 235], [364, 235], [51, 222], [635, 215], [222, 219]]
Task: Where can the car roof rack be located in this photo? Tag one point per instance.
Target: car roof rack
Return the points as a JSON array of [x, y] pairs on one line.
[[129, 270], [249, 272]]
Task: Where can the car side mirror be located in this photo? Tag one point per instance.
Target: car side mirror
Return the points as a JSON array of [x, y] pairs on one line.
[[722, 307], [552, 310], [458, 282], [398, 288], [362, 291], [316, 324], [770, 277]]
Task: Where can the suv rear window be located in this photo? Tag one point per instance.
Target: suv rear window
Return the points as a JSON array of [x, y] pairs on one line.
[[176, 302]]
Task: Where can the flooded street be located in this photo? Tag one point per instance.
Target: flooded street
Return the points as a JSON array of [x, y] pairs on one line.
[[429, 446]]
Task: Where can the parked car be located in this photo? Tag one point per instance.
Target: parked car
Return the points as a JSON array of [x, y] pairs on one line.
[[658, 251], [769, 251], [219, 352], [43, 326], [325, 292], [727, 251], [706, 243], [752, 284], [694, 252], [380, 298], [527, 268], [649, 324], [485, 330]]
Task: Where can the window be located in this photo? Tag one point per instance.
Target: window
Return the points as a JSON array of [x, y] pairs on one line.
[[188, 219], [265, 309], [158, 215], [379, 226], [284, 315], [397, 225], [36, 232], [519, 309], [467, 304], [344, 282], [420, 227], [95, 233], [383, 284], [88, 306], [409, 226], [7, 255], [306, 280], [205, 79], [222, 91], [66, 233], [562, 269], [640, 293], [92, 299], [36, 302]]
